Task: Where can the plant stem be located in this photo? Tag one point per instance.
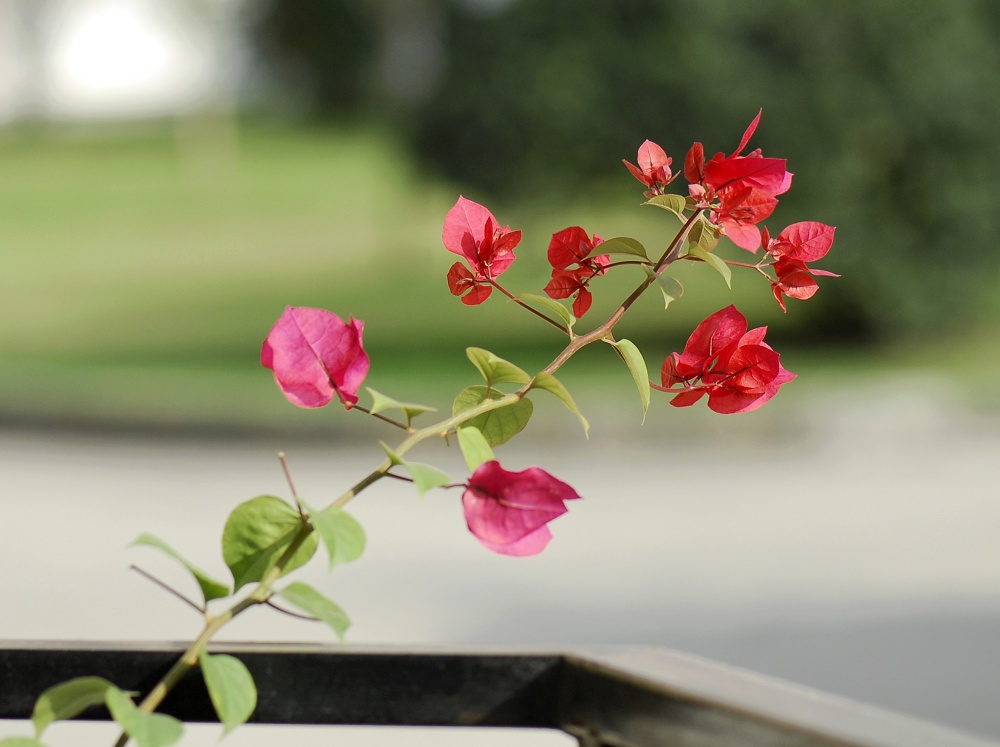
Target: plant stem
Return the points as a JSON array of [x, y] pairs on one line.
[[189, 659], [523, 305], [261, 593]]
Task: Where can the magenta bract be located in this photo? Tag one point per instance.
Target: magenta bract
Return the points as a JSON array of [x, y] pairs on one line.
[[316, 356], [736, 369], [509, 511]]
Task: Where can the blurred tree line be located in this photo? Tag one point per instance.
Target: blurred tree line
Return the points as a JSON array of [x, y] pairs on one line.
[[886, 110]]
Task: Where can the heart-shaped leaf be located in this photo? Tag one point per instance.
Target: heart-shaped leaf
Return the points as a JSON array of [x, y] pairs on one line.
[[496, 370], [68, 700], [256, 535], [231, 688], [497, 426], [342, 535]]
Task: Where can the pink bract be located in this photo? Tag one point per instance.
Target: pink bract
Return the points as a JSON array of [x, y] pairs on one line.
[[653, 167], [508, 512], [316, 356]]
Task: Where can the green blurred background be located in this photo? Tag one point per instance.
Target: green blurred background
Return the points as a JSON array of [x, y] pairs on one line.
[[148, 251]]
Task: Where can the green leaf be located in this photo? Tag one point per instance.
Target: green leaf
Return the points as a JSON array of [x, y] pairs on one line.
[[394, 458], [231, 688], [474, 447], [550, 383], [669, 287], [20, 742], [256, 535], [68, 700], [622, 245], [704, 235], [340, 532], [552, 305], [629, 353], [381, 402], [424, 476], [147, 729], [496, 370], [210, 588], [672, 203], [721, 267], [310, 601], [497, 426]]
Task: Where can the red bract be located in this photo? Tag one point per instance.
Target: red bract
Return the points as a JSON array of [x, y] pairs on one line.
[[653, 169], [471, 231], [508, 511], [736, 369], [315, 356], [751, 170], [740, 211], [792, 249], [569, 247], [746, 187]]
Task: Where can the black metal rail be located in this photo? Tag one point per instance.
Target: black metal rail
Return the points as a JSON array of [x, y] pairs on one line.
[[625, 697]]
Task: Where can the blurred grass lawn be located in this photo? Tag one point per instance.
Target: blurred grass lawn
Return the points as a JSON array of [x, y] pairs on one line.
[[142, 269]]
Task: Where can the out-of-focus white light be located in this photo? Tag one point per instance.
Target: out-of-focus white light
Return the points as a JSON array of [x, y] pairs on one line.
[[116, 57]]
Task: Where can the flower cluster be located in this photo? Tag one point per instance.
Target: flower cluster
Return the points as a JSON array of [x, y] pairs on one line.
[[317, 357], [741, 190], [736, 369], [798, 244], [471, 231], [573, 267]]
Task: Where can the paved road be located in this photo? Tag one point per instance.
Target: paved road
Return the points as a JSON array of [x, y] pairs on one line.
[[852, 547]]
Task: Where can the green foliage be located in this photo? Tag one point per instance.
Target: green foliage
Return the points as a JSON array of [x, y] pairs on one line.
[[497, 426], [147, 729], [496, 370], [551, 384], [424, 476], [630, 354], [552, 305], [210, 588], [68, 700], [341, 534], [673, 203], [622, 245], [381, 403], [257, 534], [713, 261], [310, 601], [475, 448], [230, 687]]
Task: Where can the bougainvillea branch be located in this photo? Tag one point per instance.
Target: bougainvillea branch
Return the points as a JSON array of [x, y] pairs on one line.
[[317, 358]]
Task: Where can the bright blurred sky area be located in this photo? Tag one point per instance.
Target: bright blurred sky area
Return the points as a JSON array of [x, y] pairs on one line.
[[70, 59]]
